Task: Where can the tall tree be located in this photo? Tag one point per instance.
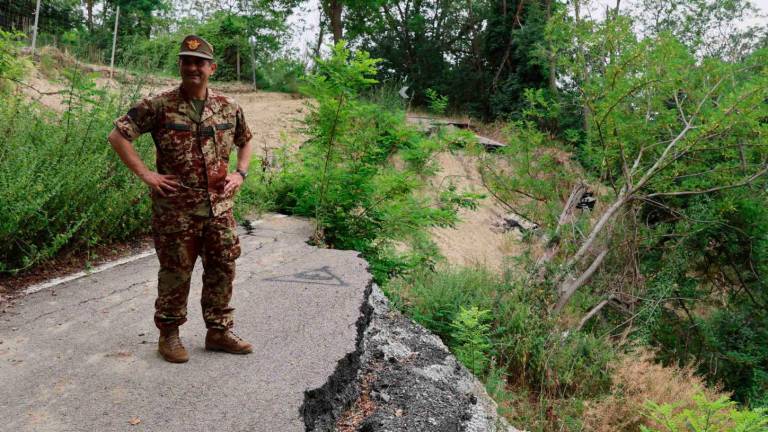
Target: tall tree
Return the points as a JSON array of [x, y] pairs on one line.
[[709, 28], [333, 10], [480, 53], [89, 13]]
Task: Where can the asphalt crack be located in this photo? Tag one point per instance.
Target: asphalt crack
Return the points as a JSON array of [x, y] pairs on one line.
[[85, 301]]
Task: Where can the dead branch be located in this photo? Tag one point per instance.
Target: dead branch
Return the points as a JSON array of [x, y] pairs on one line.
[[565, 217], [601, 223], [593, 312], [714, 189], [569, 289], [41, 93]]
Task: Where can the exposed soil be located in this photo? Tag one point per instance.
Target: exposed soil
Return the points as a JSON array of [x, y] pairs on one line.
[[474, 241], [274, 119]]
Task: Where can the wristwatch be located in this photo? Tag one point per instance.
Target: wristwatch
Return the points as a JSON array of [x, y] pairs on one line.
[[243, 174]]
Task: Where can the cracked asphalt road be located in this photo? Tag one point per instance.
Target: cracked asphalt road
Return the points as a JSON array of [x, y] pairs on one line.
[[82, 356]]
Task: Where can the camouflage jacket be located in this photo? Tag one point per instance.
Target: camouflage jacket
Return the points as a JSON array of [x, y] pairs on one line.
[[198, 153]]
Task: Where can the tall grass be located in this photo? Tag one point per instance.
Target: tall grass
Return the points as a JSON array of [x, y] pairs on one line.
[[61, 184]]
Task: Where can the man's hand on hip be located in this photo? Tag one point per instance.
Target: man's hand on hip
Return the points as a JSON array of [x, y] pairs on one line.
[[232, 182], [161, 183]]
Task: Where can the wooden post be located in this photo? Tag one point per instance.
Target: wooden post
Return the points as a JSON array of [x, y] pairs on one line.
[[114, 44], [253, 64], [34, 31], [238, 62]]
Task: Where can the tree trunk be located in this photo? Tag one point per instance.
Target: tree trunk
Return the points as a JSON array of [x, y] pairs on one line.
[[238, 63], [569, 288], [320, 35], [566, 217], [89, 14], [551, 57], [586, 112], [333, 9]]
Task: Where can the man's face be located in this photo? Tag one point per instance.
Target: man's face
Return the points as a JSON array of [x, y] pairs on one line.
[[195, 70]]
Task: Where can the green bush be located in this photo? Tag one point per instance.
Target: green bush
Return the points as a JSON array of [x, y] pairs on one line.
[[342, 176], [11, 65], [62, 183], [281, 74], [438, 103], [523, 339], [471, 333], [707, 416]]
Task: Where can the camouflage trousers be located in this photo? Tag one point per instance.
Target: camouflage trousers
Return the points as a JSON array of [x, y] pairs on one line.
[[179, 240]]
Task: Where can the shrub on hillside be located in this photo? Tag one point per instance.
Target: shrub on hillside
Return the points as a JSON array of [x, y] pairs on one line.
[[280, 74], [706, 415], [342, 178], [11, 65], [61, 182], [521, 334]]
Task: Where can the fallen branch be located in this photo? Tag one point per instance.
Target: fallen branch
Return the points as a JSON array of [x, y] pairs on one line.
[[568, 289], [565, 217], [593, 312]]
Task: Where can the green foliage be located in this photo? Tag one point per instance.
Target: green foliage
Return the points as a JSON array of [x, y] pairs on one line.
[[157, 55], [281, 74], [151, 31], [480, 55], [707, 416], [56, 16], [343, 179], [11, 66], [63, 184], [523, 338], [709, 28], [680, 141], [471, 337], [437, 103], [387, 95], [529, 174]]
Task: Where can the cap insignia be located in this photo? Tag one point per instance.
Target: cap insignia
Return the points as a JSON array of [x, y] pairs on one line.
[[193, 44]]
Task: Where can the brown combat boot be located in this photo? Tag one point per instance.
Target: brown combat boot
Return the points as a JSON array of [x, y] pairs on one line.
[[225, 340], [170, 346]]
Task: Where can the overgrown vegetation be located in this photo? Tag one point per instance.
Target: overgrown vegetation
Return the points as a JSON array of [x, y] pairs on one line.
[[706, 415], [249, 38], [61, 182], [645, 312], [341, 177]]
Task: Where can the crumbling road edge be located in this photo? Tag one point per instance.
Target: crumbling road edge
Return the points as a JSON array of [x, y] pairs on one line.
[[404, 377]]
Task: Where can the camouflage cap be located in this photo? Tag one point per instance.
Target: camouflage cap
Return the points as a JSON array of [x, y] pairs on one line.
[[196, 46]]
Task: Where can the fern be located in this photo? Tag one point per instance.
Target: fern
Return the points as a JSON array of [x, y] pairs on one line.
[[720, 415], [471, 338]]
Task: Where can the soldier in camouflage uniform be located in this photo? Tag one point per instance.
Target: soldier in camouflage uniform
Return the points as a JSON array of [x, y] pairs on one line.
[[194, 130]]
